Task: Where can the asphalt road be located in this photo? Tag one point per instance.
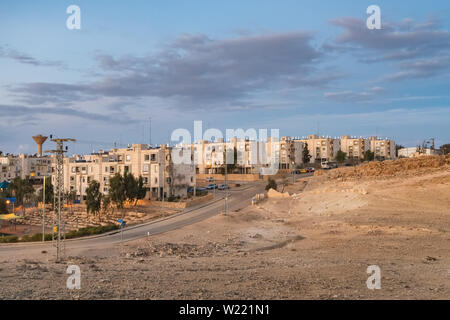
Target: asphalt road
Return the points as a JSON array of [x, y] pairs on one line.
[[237, 199]]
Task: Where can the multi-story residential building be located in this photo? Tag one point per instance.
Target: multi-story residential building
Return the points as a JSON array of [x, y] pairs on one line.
[[321, 148], [354, 147], [382, 148], [154, 165], [33, 167], [415, 152], [290, 152]]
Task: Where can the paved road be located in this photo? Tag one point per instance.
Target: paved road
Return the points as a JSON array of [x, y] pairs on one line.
[[238, 199]]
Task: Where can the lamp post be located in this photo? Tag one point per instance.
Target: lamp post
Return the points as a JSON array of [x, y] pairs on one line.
[[43, 212]]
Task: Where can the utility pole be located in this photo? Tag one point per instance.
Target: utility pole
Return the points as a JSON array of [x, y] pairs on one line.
[[226, 187], [163, 182], [43, 212], [59, 185]]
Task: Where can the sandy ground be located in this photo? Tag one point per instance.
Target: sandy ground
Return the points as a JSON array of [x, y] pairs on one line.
[[317, 244]]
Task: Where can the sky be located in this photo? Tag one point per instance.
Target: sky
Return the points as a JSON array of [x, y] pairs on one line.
[[304, 67]]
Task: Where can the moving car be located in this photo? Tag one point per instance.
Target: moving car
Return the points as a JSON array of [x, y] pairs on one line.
[[209, 179]]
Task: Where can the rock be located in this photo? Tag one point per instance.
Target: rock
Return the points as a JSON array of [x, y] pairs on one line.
[[275, 194]]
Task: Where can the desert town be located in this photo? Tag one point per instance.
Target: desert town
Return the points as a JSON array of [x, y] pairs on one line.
[[308, 232]]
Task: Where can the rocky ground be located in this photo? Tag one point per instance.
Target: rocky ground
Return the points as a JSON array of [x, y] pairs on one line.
[[316, 244]]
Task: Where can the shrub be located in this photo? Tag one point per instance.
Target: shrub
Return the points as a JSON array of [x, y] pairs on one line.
[[89, 231], [9, 239], [271, 185]]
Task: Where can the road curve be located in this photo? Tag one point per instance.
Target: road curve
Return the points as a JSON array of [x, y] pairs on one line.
[[237, 199]]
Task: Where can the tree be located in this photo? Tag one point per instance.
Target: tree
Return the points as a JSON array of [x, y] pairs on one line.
[[3, 206], [21, 189], [48, 192], [369, 155], [271, 184], [93, 197], [131, 187], [106, 203], [117, 191], [306, 155], [341, 156], [445, 149], [141, 191]]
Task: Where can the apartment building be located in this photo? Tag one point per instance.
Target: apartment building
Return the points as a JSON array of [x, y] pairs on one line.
[[249, 156], [354, 147], [24, 166], [154, 165], [383, 149], [321, 148], [416, 152], [290, 152]]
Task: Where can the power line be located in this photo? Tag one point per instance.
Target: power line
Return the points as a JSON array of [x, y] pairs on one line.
[[59, 185]]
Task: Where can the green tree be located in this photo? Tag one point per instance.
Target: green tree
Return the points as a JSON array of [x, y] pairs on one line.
[[341, 156], [3, 206], [48, 192], [369, 155], [306, 156], [141, 190], [106, 203], [131, 187], [21, 188], [93, 197], [117, 190], [271, 184]]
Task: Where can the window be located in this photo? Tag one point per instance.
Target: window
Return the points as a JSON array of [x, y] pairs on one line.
[[153, 157], [128, 157], [145, 168], [146, 157], [74, 169], [106, 169]]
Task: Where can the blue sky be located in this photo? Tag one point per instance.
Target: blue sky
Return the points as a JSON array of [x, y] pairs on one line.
[[300, 66]]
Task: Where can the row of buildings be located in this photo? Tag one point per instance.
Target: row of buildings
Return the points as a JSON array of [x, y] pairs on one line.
[[164, 175], [257, 155]]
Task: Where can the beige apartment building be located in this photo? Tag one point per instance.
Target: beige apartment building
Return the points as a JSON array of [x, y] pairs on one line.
[[24, 166], [383, 149], [250, 155], [154, 165], [321, 148], [354, 147]]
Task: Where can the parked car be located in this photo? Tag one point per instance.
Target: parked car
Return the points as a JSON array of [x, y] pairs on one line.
[[224, 187], [191, 189], [303, 171], [209, 179], [332, 165], [212, 186], [349, 165], [311, 169]]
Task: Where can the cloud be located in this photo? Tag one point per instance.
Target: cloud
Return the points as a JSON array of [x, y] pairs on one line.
[[395, 41], [353, 97], [421, 68], [24, 58], [416, 49], [196, 71], [29, 113]]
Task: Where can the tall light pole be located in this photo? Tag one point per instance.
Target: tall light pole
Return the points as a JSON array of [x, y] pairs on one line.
[[59, 185], [43, 212]]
